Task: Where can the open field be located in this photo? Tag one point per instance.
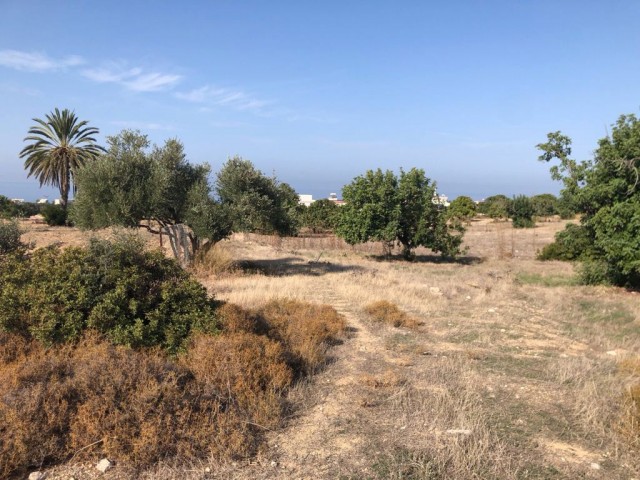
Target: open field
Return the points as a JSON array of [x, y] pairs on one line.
[[510, 370]]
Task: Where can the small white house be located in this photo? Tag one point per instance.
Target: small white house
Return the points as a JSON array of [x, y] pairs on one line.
[[42, 201], [443, 200], [17, 200], [305, 199]]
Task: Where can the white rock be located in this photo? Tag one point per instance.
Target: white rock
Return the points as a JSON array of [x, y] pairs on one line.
[[435, 291], [104, 465], [37, 476], [468, 297], [595, 466], [274, 464], [492, 310], [458, 431], [613, 353], [207, 470]]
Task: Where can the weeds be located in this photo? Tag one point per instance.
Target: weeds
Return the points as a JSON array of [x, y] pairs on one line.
[[389, 313], [524, 278]]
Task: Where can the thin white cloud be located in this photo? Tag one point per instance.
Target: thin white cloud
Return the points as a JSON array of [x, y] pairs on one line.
[[36, 62], [133, 78], [211, 95]]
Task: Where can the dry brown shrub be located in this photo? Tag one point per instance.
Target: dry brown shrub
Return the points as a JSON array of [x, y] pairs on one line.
[[138, 407], [13, 347], [215, 260], [389, 313], [235, 319], [142, 406], [245, 370], [306, 330]]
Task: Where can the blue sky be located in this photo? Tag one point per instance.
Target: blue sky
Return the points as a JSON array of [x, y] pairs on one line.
[[319, 92]]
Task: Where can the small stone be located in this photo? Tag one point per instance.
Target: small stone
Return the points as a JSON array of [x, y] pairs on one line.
[[37, 476], [492, 310], [595, 466], [468, 297], [274, 464], [613, 353], [435, 291], [207, 470], [104, 465], [564, 355]]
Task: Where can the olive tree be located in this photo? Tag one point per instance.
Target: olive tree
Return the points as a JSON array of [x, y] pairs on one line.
[[256, 203], [134, 185]]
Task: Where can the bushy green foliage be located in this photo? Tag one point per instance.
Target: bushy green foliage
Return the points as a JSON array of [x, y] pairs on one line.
[[321, 216], [133, 297], [607, 193], [385, 208], [9, 209], [495, 206], [544, 205], [572, 243], [10, 237], [256, 203], [521, 212], [462, 208], [133, 185], [54, 215]]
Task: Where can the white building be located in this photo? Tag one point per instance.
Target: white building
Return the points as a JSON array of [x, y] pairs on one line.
[[441, 200], [305, 199]]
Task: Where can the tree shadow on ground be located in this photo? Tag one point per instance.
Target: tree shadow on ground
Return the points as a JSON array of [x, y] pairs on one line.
[[282, 267], [430, 258]]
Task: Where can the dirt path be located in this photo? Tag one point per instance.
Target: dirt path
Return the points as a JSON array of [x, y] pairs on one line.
[[325, 438]]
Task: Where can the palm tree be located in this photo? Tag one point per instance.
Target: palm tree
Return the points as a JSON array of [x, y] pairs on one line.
[[61, 145]]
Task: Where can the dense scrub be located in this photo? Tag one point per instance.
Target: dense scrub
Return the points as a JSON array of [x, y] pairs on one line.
[[215, 399], [133, 297]]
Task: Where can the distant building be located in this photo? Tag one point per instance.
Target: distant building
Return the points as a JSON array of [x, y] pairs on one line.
[[57, 201], [17, 200], [441, 200], [333, 197], [305, 199], [42, 201]]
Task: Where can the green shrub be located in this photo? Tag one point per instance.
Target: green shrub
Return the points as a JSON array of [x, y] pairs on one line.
[[521, 211], [9, 209], [133, 297], [54, 215], [10, 237], [572, 243]]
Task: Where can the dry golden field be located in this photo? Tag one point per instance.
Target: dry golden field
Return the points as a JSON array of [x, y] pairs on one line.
[[506, 369]]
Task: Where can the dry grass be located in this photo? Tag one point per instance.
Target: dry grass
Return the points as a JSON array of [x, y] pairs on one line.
[[389, 313]]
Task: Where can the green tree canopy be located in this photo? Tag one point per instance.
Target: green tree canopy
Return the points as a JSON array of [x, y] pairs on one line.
[[321, 216], [59, 146], [495, 206], [462, 208], [256, 203], [383, 207], [606, 191], [521, 212], [133, 185], [544, 205]]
